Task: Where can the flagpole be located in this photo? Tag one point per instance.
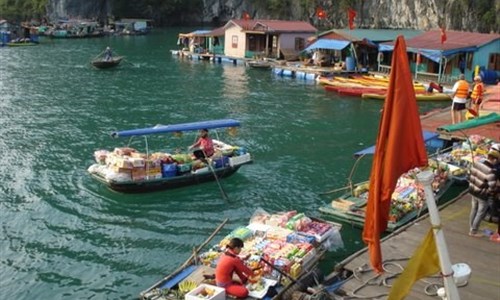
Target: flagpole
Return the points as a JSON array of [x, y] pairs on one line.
[[426, 179]]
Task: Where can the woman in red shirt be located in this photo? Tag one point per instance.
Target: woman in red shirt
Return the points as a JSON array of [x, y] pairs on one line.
[[205, 145], [230, 263]]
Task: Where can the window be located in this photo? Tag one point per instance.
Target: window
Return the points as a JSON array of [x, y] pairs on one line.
[[234, 41], [299, 43]]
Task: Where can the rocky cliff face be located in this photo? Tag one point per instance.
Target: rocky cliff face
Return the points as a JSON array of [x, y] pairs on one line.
[[468, 15]]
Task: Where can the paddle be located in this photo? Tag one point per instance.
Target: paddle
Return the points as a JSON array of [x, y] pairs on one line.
[[193, 256], [223, 193]]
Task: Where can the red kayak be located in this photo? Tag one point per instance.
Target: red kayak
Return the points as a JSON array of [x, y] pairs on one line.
[[354, 91]]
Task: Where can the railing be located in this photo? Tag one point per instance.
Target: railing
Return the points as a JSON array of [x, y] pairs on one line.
[[384, 69]]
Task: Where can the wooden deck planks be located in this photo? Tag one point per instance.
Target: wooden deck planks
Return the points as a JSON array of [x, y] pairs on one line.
[[437, 118], [482, 255]]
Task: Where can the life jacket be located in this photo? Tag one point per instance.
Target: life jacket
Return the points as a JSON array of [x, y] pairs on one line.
[[462, 90], [477, 92]]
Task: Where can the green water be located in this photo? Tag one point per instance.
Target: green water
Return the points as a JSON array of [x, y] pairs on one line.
[[63, 235]]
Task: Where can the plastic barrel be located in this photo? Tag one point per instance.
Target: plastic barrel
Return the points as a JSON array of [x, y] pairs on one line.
[[488, 76], [4, 37], [349, 63]]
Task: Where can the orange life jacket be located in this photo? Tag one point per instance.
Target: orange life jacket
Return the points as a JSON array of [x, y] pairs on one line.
[[462, 90], [477, 92]]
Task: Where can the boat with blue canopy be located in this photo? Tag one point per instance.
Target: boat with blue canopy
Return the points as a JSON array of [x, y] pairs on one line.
[[126, 169], [408, 199]]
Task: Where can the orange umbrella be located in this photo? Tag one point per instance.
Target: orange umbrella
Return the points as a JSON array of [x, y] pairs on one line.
[[399, 148]]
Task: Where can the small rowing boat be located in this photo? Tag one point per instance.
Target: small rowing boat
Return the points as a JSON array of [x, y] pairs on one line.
[[102, 63]]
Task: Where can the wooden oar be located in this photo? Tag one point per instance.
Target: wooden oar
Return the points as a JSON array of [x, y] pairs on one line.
[[189, 260], [209, 164]]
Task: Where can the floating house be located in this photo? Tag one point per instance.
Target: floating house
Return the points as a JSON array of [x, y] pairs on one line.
[[266, 38], [133, 26], [5, 32], [358, 48], [442, 60], [75, 28]]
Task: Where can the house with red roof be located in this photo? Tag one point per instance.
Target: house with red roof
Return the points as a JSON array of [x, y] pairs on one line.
[[265, 38], [444, 57]]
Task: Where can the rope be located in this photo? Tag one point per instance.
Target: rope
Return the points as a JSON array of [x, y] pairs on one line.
[[430, 288]]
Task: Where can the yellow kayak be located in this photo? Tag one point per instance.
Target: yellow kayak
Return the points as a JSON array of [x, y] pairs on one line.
[[420, 97]]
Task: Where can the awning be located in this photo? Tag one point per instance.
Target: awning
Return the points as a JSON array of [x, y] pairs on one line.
[[428, 135], [432, 54], [178, 127], [482, 120], [328, 44]]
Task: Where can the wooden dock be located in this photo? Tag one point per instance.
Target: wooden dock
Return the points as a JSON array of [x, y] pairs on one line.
[[440, 117], [481, 254]]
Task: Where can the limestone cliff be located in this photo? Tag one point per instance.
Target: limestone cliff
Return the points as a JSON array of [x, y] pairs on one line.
[[468, 15]]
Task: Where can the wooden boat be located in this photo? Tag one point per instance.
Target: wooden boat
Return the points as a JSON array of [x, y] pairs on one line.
[[21, 44], [304, 245], [420, 97], [408, 199], [102, 63], [131, 171], [259, 64]]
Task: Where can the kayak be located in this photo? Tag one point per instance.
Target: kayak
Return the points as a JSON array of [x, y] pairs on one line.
[[420, 97]]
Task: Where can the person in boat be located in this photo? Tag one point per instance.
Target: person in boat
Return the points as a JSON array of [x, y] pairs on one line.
[[204, 145], [108, 54], [477, 94], [460, 93], [483, 188], [229, 263]]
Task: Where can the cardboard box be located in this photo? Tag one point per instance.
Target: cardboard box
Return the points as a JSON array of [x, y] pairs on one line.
[[219, 293]]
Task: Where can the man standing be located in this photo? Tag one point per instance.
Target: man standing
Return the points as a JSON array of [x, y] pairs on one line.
[[460, 93], [482, 187]]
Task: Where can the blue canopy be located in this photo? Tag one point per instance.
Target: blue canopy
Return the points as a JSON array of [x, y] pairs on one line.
[[371, 150], [432, 54], [178, 127], [328, 44]]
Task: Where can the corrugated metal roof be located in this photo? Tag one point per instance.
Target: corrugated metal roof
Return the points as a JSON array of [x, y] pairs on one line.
[[377, 35], [273, 25], [217, 32], [454, 40], [429, 43]]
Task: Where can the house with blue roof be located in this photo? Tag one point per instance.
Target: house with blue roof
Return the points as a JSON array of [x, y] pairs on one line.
[[357, 47]]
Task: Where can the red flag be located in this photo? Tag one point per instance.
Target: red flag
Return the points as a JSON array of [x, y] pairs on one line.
[[443, 36], [246, 16], [320, 13], [351, 14], [399, 148]]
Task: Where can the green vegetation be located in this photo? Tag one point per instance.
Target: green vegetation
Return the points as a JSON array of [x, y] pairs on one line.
[[480, 15], [22, 9]]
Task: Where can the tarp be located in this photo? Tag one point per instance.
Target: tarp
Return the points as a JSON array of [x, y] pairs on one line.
[[328, 44], [178, 127], [490, 118], [428, 135]]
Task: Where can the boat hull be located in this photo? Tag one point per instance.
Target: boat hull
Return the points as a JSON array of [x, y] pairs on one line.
[[167, 183], [104, 64]]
